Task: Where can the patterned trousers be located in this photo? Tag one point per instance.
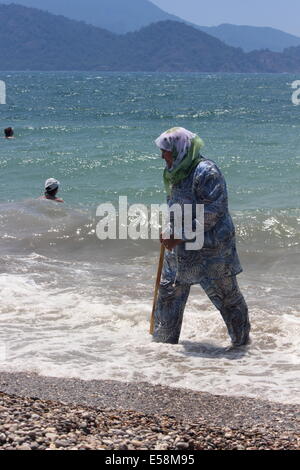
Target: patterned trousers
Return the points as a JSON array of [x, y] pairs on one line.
[[224, 294]]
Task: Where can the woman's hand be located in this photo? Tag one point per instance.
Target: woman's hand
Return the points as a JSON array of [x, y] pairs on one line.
[[169, 243]]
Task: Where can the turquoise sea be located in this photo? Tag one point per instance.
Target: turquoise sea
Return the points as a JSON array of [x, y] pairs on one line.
[[75, 306]]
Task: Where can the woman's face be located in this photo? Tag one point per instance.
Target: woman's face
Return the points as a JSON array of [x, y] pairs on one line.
[[168, 157]]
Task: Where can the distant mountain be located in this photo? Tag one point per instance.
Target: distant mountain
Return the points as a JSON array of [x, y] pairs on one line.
[[32, 39], [118, 16], [172, 46], [251, 38], [122, 16]]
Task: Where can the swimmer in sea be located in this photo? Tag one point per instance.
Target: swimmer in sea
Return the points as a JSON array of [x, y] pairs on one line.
[[9, 133], [51, 188]]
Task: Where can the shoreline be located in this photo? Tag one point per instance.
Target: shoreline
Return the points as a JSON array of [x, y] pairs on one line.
[[183, 404], [128, 416]]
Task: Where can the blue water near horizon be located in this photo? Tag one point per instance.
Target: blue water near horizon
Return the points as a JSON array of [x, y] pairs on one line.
[[74, 306], [86, 128]]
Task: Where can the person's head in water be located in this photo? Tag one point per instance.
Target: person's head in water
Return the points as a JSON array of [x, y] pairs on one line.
[[51, 188], [8, 132]]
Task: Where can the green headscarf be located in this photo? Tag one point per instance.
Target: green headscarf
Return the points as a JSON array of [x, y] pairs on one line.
[[186, 149]]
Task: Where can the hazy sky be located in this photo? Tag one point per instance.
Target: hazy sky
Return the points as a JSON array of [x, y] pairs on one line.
[[282, 14]]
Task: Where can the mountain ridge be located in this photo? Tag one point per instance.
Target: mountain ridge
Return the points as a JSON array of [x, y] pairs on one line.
[[122, 16], [32, 39], [251, 38], [112, 15]]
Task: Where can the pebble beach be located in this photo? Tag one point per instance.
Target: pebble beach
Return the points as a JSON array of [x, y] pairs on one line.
[[46, 413]]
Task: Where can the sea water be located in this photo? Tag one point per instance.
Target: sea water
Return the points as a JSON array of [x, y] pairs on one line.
[[75, 306]]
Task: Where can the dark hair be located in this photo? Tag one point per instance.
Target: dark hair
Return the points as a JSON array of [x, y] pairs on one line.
[[51, 192], [9, 132]]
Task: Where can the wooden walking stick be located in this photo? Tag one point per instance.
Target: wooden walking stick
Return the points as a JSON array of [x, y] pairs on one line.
[[158, 277]]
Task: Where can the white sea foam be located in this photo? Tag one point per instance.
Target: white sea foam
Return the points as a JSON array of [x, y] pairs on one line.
[[66, 332], [76, 307]]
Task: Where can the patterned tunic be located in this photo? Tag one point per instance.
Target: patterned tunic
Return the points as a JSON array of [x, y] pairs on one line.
[[218, 257]]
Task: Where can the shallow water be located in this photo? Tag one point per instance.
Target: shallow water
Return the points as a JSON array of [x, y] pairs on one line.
[[72, 305]]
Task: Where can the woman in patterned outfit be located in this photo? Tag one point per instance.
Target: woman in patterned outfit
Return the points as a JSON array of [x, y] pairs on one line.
[[191, 178]]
